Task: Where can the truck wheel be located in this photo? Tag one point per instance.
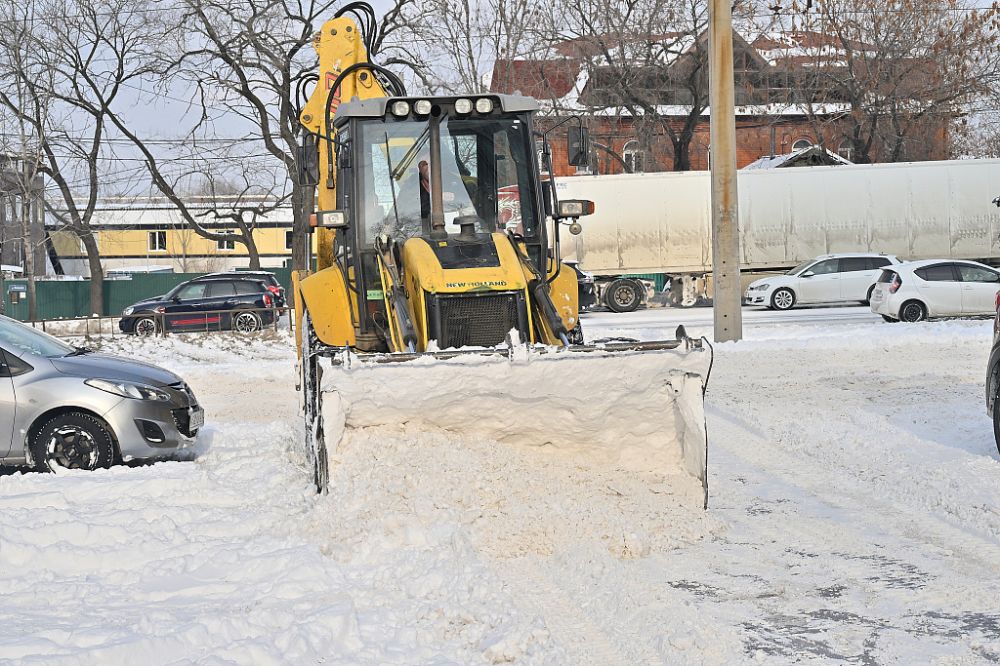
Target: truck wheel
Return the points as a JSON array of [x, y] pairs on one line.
[[913, 311], [623, 296], [72, 440], [783, 299]]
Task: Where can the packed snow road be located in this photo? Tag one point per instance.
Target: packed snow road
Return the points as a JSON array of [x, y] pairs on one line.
[[854, 517]]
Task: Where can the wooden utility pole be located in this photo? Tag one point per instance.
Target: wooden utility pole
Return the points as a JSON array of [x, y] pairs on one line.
[[725, 225]]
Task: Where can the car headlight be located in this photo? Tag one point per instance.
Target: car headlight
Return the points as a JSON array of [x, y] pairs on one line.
[[129, 310], [762, 287], [129, 389]]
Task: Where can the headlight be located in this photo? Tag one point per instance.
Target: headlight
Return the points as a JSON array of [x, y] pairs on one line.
[[762, 287], [129, 310], [484, 105], [422, 107], [463, 106], [129, 389], [400, 108]]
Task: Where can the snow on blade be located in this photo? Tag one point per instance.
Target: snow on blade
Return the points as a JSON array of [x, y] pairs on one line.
[[638, 411]]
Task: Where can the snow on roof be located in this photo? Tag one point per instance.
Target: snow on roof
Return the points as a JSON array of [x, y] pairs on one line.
[[811, 153]]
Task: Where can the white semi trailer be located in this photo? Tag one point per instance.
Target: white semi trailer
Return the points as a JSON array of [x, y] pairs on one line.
[[661, 222]]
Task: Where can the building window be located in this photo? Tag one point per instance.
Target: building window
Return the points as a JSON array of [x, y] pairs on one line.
[[635, 158], [846, 149], [157, 241], [226, 244], [289, 239], [801, 144]]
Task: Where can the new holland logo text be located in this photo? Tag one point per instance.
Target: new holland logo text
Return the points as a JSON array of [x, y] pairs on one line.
[[461, 285]]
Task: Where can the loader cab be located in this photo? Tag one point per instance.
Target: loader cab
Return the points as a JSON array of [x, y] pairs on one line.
[[423, 167]]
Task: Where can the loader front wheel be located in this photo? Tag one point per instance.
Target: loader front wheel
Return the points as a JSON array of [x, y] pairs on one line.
[[576, 335], [623, 296]]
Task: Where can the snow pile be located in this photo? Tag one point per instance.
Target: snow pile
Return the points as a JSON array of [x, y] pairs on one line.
[[853, 519], [590, 408]]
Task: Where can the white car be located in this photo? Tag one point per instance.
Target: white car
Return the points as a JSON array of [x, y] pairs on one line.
[[917, 290], [831, 278]]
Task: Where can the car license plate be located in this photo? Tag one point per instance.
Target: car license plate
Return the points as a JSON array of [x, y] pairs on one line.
[[197, 419]]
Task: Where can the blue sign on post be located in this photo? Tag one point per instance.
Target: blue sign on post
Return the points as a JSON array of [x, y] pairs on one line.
[[17, 288]]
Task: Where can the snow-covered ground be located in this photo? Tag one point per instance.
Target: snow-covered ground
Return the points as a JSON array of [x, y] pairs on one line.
[[854, 517]]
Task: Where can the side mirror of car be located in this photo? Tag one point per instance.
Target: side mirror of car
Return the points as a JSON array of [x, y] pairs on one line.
[[807, 274], [175, 299]]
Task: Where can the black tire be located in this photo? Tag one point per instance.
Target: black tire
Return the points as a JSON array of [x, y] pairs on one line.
[[246, 322], [623, 296], [75, 440], [145, 327], [912, 312], [996, 422], [891, 320], [783, 299], [868, 297], [576, 335]]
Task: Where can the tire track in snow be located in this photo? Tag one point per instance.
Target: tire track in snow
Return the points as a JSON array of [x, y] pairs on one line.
[[581, 636]]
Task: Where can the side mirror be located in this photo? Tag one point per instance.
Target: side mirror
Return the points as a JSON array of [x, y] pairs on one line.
[[807, 274], [578, 146], [575, 208], [328, 219], [175, 299]]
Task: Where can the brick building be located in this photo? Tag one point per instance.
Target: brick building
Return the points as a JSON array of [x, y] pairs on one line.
[[773, 74]]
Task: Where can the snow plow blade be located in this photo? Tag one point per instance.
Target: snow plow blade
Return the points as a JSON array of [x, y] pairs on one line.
[[632, 405]]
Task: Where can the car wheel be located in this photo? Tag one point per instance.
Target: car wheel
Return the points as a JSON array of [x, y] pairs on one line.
[[623, 296], [996, 422], [913, 311], [72, 440], [145, 327], [868, 297], [891, 320], [783, 299], [246, 322]]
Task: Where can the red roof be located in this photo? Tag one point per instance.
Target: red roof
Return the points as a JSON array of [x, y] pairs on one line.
[[541, 79]]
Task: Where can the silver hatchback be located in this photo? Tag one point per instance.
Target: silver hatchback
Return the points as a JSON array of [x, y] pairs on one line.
[[71, 407]]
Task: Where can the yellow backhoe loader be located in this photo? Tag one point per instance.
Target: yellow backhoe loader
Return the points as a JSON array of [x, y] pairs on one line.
[[440, 298]]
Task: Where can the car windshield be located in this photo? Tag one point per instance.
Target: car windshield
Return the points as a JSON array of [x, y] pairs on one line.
[[801, 267], [16, 336]]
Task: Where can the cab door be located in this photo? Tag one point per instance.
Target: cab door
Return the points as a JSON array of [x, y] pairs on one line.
[[979, 289], [820, 283], [8, 406]]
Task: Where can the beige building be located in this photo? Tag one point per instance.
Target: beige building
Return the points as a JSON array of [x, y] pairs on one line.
[[152, 233]]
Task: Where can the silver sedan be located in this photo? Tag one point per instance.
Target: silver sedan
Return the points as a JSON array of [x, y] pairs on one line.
[[65, 406]]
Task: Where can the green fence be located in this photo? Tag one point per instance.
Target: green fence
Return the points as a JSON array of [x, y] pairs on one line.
[[68, 299]]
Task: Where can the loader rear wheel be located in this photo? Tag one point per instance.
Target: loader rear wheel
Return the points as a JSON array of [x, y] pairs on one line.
[[623, 296]]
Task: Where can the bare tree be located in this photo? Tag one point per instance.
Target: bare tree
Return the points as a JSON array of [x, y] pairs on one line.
[[247, 61], [63, 63], [905, 70]]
